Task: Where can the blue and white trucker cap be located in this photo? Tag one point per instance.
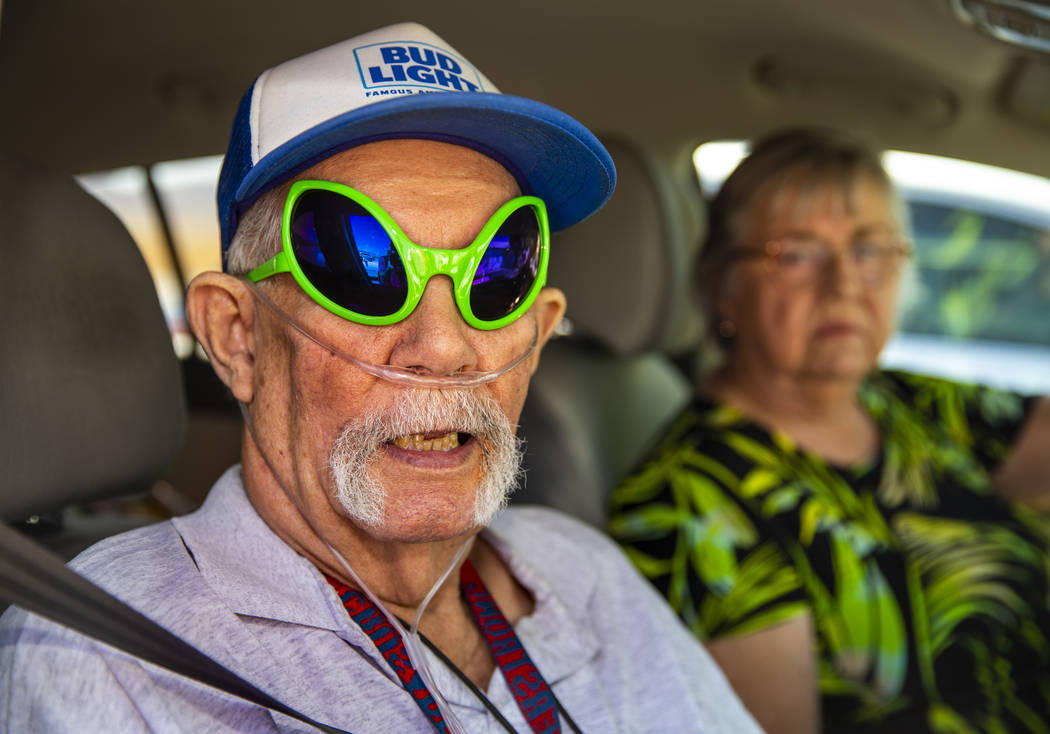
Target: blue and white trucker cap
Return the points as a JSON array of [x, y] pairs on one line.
[[403, 81]]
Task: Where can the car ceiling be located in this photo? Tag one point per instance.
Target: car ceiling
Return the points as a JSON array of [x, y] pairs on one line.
[[89, 85]]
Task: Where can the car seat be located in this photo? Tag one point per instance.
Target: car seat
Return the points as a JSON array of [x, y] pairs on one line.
[[90, 392], [603, 391]]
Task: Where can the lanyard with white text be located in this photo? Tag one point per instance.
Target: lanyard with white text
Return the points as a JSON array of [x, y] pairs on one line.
[[531, 692], [388, 641]]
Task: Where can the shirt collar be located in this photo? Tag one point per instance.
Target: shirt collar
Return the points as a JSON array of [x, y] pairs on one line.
[[255, 572], [558, 634]]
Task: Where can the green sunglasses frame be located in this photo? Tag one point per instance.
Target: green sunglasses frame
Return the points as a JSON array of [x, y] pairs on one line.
[[421, 263]]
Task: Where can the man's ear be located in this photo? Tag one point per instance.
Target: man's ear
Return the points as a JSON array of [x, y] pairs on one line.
[[549, 308], [221, 311]]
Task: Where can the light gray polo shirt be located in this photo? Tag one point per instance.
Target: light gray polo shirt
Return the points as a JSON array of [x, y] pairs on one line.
[[612, 651]]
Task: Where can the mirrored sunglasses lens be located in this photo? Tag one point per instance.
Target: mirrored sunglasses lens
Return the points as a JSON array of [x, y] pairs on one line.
[[347, 255], [508, 268]]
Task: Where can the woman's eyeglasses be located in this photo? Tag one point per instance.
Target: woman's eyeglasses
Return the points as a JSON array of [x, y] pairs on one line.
[[802, 260]]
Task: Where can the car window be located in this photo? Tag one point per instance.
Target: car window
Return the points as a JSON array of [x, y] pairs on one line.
[[974, 310], [176, 228], [981, 276], [974, 306]]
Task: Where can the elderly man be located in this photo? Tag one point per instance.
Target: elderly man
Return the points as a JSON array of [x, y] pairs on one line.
[[348, 567]]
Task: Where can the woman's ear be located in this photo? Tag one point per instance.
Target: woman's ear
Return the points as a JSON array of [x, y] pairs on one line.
[[724, 309], [221, 311], [725, 297]]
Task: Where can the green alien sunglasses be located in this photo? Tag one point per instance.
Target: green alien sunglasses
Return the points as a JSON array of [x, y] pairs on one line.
[[353, 259]]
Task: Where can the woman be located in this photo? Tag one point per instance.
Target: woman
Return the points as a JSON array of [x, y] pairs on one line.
[[851, 543]]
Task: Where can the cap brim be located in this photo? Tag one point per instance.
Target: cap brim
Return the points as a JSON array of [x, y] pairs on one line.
[[552, 155]]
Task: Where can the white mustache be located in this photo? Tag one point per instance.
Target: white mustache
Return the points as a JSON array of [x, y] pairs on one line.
[[424, 411], [428, 411]]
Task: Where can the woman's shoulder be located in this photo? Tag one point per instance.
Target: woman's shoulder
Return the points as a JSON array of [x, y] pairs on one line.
[[943, 399], [705, 420], [981, 420], [906, 380], [709, 442]]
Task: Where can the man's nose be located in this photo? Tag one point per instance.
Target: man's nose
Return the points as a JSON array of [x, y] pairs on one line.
[[435, 338]]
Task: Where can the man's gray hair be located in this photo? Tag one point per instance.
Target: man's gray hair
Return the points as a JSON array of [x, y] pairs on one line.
[[258, 235]]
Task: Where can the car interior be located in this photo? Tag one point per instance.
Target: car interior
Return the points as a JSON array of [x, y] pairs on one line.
[[107, 425]]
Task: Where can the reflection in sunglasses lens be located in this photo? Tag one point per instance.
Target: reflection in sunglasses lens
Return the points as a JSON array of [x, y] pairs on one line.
[[347, 255], [508, 268]]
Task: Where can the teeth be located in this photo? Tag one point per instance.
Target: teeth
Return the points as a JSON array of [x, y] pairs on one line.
[[417, 442]]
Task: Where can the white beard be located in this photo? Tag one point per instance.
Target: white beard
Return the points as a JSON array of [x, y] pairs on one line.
[[422, 411]]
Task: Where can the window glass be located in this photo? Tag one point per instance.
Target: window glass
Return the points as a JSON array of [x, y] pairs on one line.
[[186, 190], [187, 193], [976, 304], [980, 276]]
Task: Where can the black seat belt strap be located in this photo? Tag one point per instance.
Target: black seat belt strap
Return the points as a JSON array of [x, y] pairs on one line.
[[40, 582]]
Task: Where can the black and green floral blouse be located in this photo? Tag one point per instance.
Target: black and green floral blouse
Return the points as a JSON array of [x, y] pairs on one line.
[[929, 592]]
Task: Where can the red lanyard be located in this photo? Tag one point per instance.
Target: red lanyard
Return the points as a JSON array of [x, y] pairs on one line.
[[523, 678], [531, 692], [388, 641]]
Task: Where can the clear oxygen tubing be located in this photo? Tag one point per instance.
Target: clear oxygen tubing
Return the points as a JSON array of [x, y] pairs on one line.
[[408, 378], [402, 375], [413, 644]]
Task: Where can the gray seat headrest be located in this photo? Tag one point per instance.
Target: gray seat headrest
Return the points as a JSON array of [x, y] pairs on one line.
[[626, 270], [90, 389]]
